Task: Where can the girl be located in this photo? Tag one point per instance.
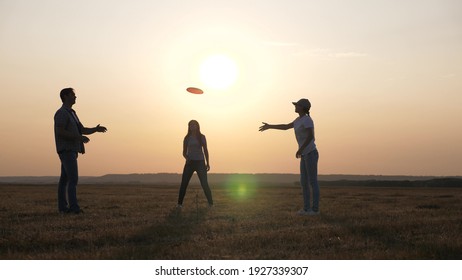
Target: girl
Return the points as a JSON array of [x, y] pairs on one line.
[[194, 149]]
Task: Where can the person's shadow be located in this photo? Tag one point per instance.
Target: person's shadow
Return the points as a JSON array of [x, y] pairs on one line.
[[158, 241]]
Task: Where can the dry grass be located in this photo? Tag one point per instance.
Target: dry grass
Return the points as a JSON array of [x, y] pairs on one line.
[[141, 222]]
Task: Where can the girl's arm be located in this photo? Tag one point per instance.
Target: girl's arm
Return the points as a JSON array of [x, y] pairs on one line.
[[206, 153], [185, 148]]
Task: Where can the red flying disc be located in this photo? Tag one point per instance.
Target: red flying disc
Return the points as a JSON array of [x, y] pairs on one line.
[[195, 90]]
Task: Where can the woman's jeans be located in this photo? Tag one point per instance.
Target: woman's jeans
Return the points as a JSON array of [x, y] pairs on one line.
[[200, 168], [67, 187], [309, 178]]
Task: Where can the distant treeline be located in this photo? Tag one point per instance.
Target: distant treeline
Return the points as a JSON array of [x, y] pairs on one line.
[[439, 182], [173, 179]]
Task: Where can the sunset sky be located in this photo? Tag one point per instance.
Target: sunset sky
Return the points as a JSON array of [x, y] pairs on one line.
[[384, 78]]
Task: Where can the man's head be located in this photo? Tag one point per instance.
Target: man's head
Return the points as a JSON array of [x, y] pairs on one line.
[[67, 96]]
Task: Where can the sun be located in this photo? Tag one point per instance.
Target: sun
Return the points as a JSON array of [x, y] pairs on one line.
[[218, 71]]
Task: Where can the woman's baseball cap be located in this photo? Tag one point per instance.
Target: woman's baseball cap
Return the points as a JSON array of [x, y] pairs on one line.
[[304, 103]]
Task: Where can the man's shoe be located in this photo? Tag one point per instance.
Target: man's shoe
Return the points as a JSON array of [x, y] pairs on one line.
[[78, 211]]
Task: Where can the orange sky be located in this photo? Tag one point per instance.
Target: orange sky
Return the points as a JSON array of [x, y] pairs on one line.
[[384, 80]]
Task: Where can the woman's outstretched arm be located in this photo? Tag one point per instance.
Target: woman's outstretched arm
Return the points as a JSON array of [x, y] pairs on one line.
[[266, 126]]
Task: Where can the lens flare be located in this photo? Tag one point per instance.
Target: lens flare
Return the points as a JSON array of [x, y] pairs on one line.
[[241, 186]]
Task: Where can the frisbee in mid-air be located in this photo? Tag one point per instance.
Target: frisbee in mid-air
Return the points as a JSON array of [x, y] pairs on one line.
[[195, 90]]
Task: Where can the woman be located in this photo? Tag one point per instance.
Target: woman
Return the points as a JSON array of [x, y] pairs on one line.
[[307, 152], [194, 149]]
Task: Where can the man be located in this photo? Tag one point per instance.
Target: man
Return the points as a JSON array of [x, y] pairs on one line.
[[70, 141]]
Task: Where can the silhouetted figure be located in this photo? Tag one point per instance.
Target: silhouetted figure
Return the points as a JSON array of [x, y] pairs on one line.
[[69, 142], [194, 149], [307, 152]]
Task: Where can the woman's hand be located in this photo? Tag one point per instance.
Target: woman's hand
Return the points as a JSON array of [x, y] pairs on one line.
[[264, 127]]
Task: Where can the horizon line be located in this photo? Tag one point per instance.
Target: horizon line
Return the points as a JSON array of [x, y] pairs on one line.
[[234, 173]]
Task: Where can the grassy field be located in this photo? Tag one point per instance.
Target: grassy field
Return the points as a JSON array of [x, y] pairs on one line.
[[141, 222]]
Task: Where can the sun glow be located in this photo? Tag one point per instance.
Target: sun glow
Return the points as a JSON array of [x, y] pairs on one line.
[[218, 71]]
